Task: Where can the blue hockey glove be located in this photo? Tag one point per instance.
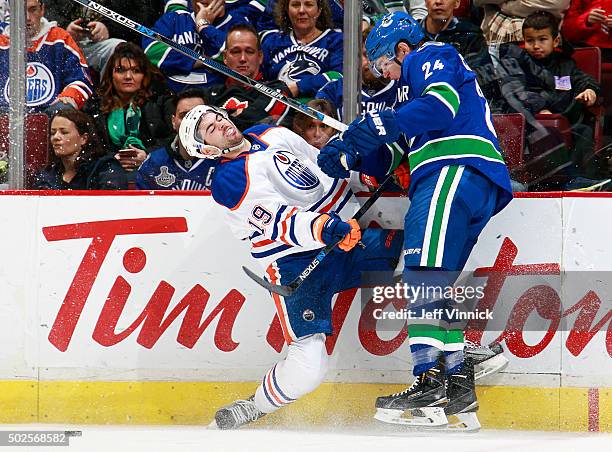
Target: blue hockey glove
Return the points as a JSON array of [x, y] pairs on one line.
[[374, 129], [329, 228], [329, 158]]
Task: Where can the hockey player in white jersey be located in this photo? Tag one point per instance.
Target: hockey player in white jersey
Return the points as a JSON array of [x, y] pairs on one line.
[[278, 198]]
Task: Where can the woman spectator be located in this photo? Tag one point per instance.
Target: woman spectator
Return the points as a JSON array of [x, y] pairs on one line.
[[590, 22], [312, 130], [78, 160], [306, 52], [133, 114]]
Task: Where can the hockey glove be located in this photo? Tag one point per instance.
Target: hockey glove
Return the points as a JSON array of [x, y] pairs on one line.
[[374, 129], [401, 175], [329, 228], [329, 158]]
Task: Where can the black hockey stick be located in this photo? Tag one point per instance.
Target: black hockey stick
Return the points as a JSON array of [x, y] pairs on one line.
[[214, 65], [290, 288]]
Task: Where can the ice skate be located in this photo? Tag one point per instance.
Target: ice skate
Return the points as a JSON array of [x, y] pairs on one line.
[[237, 414], [462, 403], [420, 405], [487, 359]]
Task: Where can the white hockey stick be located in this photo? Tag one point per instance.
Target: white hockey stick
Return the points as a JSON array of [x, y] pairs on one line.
[[214, 65]]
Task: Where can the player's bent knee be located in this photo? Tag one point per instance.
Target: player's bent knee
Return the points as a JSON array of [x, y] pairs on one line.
[[307, 359]]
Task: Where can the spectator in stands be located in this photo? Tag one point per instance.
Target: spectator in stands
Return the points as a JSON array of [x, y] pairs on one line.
[[416, 8], [306, 52], [372, 9], [547, 81], [57, 74], [312, 130], [5, 17], [132, 118], [587, 22], [170, 167], [376, 93], [78, 160], [204, 32], [96, 34], [441, 25], [503, 19], [245, 105]]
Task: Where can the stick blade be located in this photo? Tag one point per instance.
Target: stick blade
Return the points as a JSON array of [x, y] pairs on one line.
[[283, 291]]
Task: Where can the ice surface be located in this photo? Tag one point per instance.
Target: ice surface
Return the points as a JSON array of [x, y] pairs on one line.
[[201, 439]]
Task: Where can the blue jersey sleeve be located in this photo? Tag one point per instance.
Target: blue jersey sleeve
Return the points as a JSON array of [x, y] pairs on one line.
[[434, 74], [169, 61]]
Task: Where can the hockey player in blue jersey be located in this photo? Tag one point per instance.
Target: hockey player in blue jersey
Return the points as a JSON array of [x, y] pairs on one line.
[[277, 198], [458, 182], [171, 167]]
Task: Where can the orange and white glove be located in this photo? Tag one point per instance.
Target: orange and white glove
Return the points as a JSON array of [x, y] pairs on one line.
[[401, 175], [329, 228]]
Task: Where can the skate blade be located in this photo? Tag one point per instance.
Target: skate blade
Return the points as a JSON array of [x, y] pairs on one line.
[[490, 366], [462, 422], [420, 417]]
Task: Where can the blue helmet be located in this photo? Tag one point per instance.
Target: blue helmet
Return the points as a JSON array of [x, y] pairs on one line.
[[388, 31]]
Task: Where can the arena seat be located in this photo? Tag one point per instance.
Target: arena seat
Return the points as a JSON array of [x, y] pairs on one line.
[[37, 143], [510, 128], [588, 59]]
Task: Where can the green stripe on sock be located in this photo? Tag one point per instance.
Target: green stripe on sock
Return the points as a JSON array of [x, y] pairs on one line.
[[437, 222], [432, 331], [454, 337]]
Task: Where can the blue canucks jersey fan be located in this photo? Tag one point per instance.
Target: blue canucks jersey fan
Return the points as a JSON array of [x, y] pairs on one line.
[[202, 29], [170, 167], [306, 52]]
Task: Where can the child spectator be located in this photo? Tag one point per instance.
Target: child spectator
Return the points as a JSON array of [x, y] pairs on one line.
[[170, 167], [78, 160], [312, 130], [547, 81], [57, 73]]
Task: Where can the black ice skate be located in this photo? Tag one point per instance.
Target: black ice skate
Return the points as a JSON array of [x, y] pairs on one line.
[[421, 405], [488, 359], [237, 414], [462, 403]]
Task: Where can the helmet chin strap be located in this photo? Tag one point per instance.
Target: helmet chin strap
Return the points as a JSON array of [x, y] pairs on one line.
[[235, 147]]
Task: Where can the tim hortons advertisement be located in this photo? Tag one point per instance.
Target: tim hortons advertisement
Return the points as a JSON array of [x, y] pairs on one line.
[[155, 283]]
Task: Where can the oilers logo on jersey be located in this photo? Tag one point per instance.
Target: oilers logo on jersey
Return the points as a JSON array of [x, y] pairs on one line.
[[40, 87], [294, 172], [297, 68]]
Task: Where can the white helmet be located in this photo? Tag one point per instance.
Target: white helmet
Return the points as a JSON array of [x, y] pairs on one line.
[[192, 140]]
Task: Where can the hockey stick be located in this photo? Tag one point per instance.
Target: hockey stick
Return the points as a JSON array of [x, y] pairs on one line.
[[290, 288], [214, 65]]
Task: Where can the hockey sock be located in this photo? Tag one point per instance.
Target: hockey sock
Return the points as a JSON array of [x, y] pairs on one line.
[[453, 351], [299, 373]]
